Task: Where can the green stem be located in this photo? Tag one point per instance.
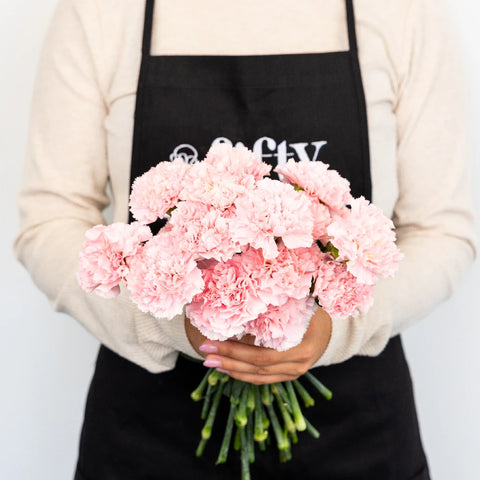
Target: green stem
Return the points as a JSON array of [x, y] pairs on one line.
[[214, 377], [260, 432], [296, 410], [244, 455], [266, 395], [206, 401], [222, 456], [236, 391], [285, 455], [289, 453], [201, 447], [312, 430], [282, 440], [198, 392], [283, 409], [236, 439], [227, 391], [319, 386], [207, 429], [283, 394], [241, 412], [251, 397], [265, 420], [250, 441], [302, 391]]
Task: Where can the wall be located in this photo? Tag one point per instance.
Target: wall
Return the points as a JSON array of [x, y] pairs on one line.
[[46, 359]]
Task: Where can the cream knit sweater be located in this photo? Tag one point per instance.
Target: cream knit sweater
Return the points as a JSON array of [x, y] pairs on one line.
[[81, 137]]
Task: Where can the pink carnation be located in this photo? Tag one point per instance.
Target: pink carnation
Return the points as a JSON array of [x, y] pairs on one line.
[[338, 292], [155, 192], [328, 186], [289, 275], [162, 279], [105, 255], [366, 241], [206, 185], [321, 219], [203, 230], [238, 162], [273, 210], [228, 301], [226, 173], [282, 327]]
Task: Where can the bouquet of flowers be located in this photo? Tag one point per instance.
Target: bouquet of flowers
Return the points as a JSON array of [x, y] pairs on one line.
[[242, 253]]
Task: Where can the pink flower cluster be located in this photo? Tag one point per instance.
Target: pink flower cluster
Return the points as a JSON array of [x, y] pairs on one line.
[[240, 253], [106, 254]]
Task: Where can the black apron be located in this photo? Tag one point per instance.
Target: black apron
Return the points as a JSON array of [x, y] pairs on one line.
[[141, 426]]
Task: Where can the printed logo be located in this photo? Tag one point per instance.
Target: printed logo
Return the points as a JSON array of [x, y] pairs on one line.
[[185, 152], [264, 148]]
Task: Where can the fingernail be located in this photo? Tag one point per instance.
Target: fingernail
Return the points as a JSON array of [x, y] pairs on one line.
[[208, 348], [221, 370], [212, 363]]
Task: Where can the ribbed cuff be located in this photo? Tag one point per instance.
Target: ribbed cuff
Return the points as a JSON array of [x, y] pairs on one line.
[[366, 334], [341, 330], [162, 339]]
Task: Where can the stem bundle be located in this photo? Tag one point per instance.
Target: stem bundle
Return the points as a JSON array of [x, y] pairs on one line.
[[253, 410]]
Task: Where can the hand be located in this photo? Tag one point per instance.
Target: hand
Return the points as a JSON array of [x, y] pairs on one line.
[[260, 365]]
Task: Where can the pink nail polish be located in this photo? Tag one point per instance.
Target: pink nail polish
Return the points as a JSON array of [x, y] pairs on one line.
[[208, 348], [212, 363], [221, 370]]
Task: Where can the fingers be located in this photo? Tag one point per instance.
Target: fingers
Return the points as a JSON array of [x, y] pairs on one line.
[[253, 364], [243, 352], [290, 369], [260, 365]]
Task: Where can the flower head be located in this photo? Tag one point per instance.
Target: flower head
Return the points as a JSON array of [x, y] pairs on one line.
[[282, 327], [325, 185], [238, 162], [163, 279], [365, 240], [339, 292], [273, 210], [105, 256], [228, 301], [155, 192], [288, 275], [203, 230]]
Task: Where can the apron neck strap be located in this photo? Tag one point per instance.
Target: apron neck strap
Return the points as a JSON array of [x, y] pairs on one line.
[[352, 37], [147, 28]]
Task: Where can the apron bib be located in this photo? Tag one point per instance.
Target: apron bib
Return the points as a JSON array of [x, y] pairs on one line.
[[308, 107]]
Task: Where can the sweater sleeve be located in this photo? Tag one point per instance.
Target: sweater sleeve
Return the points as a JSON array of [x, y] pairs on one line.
[[63, 191], [433, 213]]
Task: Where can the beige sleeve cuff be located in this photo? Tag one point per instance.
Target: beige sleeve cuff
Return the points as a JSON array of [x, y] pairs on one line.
[[151, 334], [118, 324]]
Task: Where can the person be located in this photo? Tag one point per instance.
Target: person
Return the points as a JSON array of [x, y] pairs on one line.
[[375, 92]]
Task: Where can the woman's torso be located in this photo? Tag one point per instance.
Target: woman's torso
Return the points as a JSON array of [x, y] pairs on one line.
[[252, 28]]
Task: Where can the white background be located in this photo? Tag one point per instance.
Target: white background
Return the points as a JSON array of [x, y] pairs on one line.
[[46, 359]]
